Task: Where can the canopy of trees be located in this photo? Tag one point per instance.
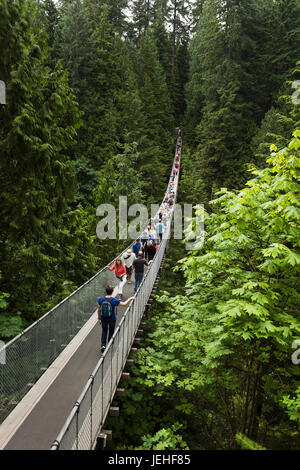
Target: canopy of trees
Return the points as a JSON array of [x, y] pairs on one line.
[[94, 92]]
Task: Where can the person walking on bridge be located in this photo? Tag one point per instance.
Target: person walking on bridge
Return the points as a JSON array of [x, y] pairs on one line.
[[138, 266], [160, 229], [151, 250], [120, 273], [107, 314], [129, 258], [136, 247]]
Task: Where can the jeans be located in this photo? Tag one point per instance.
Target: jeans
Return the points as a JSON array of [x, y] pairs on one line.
[[138, 277], [107, 325]]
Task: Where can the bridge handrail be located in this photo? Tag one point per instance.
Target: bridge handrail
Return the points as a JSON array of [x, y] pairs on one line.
[[33, 350], [82, 427]]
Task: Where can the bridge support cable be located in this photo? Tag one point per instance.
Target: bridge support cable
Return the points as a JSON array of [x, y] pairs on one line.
[[86, 420]]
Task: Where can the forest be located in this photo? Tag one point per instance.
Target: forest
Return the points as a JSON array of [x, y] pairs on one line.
[[95, 90]]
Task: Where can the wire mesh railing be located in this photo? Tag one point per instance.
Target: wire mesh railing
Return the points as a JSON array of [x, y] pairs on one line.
[[88, 415], [30, 353]]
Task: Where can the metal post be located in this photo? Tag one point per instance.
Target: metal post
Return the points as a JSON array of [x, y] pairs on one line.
[[91, 413], [2, 92]]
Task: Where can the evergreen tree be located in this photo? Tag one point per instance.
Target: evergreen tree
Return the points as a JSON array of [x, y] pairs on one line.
[[225, 93], [279, 121], [282, 45], [143, 15], [158, 121], [48, 13], [228, 346], [178, 20], [76, 49], [164, 48], [38, 125], [180, 80]]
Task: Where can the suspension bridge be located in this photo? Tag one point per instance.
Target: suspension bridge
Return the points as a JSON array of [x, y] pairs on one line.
[[56, 390]]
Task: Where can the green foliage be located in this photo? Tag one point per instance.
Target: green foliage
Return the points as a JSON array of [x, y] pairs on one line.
[[91, 102], [158, 120], [164, 439], [233, 80], [247, 444], [10, 326], [38, 126], [279, 121], [229, 338], [292, 405]]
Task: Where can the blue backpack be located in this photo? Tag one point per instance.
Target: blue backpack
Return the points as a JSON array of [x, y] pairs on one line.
[[106, 308]]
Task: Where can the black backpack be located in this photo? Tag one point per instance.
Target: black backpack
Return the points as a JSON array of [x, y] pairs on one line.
[[106, 308]]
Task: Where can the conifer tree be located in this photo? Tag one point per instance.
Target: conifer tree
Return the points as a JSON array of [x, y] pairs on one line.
[[280, 120], [225, 86], [158, 121], [226, 361], [38, 124], [76, 49], [178, 11], [143, 15], [281, 48]]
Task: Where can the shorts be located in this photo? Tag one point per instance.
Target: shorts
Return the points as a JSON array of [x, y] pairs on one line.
[[129, 270]]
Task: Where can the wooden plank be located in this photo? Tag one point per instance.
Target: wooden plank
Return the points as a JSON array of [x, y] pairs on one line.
[[125, 375], [114, 411]]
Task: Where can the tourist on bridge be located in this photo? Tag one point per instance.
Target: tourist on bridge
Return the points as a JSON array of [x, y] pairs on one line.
[[139, 265], [107, 314], [150, 251], [150, 233], [150, 222], [136, 247], [120, 273], [129, 258], [160, 229], [151, 236], [144, 239]]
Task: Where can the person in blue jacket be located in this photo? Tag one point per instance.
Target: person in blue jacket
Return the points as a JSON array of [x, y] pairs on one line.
[[109, 322], [136, 247]]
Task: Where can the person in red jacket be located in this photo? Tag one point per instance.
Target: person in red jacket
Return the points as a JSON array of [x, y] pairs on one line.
[[120, 273]]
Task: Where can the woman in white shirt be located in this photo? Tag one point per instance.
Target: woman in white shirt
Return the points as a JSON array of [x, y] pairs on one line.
[[128, 259]]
